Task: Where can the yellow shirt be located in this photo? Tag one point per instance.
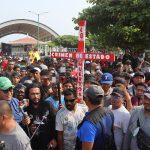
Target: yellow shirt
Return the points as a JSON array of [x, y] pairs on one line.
[[34, 55]]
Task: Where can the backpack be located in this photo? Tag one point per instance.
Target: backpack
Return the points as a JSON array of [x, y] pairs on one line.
[[108, 142], [143, 140]]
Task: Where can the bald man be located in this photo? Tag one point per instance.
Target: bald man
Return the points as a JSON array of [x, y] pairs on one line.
[[10, 132]]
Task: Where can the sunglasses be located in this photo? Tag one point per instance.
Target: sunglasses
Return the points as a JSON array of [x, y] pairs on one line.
[[70, 100], [6, 91]]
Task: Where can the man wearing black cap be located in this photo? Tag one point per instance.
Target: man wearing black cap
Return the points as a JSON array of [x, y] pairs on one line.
[[28, 78], [121, 83], [127, 67], [118, 68], [137, 78], [89, 81], [137, 100], [23, 72], [138, 134], [94, 132], [121, 115]]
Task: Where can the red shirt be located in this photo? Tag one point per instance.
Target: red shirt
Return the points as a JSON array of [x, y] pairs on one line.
[[4, 64]]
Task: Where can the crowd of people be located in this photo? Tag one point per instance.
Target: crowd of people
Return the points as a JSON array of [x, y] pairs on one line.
[[40, 110]]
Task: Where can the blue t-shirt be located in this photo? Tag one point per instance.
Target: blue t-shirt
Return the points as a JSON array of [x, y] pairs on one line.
[[18, 115], [56, 103], [88, 131]]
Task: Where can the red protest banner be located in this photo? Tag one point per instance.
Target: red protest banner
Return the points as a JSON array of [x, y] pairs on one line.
[[88, 56]]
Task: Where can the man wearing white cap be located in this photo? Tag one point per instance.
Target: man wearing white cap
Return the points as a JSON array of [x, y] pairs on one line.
[[36, 74]]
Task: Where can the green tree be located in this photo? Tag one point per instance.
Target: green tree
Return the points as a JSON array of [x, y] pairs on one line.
[[51, 44], [118, 23], [69, 41]]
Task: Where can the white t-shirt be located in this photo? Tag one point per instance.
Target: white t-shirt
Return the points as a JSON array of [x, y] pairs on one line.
[[121, 121], [68, 122]]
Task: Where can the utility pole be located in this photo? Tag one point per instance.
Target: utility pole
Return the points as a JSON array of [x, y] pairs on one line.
[[38, 23]]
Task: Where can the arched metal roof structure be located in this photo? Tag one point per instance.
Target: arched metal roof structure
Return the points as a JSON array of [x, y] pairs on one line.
[[25, 26]]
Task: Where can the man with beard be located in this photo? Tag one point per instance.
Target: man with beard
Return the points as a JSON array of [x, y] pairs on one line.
[[41, 120], [67, 120], [10, 69], [138, 134]]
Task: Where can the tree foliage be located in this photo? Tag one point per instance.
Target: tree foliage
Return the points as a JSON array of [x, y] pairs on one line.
[[51, 44], [118, 23], [69, 41]]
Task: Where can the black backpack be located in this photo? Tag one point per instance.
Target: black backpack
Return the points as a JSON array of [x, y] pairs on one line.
[[108, 140], [143, 140]]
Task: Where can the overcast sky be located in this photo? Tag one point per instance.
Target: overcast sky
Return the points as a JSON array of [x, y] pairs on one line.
[[59, 16]]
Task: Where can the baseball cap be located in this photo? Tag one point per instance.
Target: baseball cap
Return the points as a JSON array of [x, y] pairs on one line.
[[139, 74], [87, 62], [43, 67], [5, 83], [27, 83], [98, 72], [20, 87], [45, 74], [91, 79], [94, 91], [30, 67], [35, 69], [15, 74], [22, 69], [106, 78], [119, 64], [119, 80], [118, 91], [128, 62], [147, 94], [87, 72]]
